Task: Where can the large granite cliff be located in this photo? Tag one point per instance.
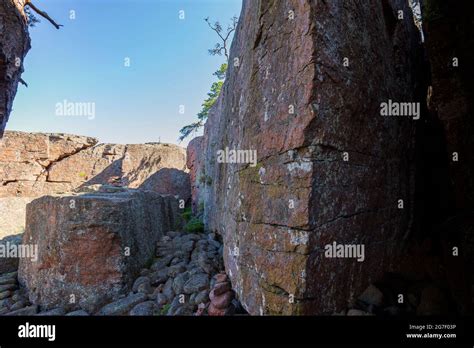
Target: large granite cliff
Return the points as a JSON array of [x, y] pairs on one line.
[[304, 90]]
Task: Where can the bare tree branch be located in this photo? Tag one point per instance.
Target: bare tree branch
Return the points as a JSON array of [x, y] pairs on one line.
[[23, 82], [43, 14], [217, 28]]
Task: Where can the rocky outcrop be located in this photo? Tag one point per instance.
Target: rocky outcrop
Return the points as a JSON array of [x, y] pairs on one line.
[[14, 45], [169, 180], [91, 245], [195, 164], [37, 164], [303, 93], [26, 160]]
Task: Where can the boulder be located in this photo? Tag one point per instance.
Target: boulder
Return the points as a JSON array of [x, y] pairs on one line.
[[93, 245], [169, 181], [314, 160], [78, 313], [147, 308], [123, 305], [7, 263], [30, 310], [37, 164]]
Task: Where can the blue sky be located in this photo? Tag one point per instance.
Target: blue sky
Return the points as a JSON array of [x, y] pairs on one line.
[[84, 62]]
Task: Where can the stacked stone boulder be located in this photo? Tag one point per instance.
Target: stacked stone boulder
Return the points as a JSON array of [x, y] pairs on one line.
[[221, 296]]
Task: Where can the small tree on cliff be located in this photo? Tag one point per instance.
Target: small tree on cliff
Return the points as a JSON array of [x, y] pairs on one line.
[[32, 20], [221, 48]]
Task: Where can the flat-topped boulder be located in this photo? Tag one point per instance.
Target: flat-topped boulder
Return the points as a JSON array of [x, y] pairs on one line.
[[92, 244], [37, 164]]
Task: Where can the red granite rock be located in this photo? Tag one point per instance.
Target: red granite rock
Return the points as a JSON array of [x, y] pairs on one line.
[[92, 245], [289, 97], [37, 164], [194, 162]]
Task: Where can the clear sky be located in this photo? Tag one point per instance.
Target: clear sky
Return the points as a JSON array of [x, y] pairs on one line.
[[85, 61]]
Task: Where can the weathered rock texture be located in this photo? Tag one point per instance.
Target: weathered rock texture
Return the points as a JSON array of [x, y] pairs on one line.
[[167, 181], [92, 245], [277, 217], [37, 164], [14, 45], [195, 164]]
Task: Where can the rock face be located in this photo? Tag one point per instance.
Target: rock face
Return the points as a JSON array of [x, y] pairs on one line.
[[14, 44], [37, 164], [169, 180], [330, 168], [449, 35], [92, 245], [9, 262], [195, 164], [451, 95]]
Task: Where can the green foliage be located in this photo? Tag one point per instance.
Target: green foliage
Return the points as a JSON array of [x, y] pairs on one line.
[[149, 262], [201, 207], [31, 18], [221, 48], [187, 214], [221, 72], [165, 309], [206, 105], [194, 225]]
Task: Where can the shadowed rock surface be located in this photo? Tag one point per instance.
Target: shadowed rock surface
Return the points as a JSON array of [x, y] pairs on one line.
[[195, 164], [449, 41], [169, 180]]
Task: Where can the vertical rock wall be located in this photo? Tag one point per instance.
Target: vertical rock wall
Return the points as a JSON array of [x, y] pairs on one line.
[[449, 33], [14, 44], [330, 167]]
